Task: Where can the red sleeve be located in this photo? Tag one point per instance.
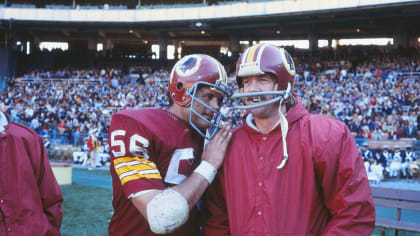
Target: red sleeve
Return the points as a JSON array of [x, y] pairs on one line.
[[50, 191], [345, 186], [132, 158], [216, 222]]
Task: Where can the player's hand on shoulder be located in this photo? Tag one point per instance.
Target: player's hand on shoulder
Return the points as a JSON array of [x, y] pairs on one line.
[[214, 151]]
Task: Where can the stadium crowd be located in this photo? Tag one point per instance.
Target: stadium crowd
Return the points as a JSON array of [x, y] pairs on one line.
[[377, 99]]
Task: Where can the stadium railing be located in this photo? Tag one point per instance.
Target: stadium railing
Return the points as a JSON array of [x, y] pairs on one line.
[[58, 7], [186, 12], [22, 6], [398, 199], [59, 80], [380, 143], [410, 74]]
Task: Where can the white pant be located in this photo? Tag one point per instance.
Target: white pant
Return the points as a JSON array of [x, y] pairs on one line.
[[376, 173], [394, 168]]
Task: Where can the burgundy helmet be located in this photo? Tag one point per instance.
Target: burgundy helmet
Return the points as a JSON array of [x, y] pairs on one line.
[[187, 75], [192, 69], [264, 58]]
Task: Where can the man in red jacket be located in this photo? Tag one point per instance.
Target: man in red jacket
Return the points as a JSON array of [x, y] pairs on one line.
[[30, 198], [287, 172]]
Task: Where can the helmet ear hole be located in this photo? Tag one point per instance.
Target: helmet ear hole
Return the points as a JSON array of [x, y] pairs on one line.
[[179, 86]]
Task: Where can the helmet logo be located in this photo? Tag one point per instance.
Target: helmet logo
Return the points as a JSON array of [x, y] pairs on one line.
[[188, 66], [287, 61]]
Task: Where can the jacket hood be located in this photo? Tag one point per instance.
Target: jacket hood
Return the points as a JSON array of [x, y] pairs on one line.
[[297, 112]]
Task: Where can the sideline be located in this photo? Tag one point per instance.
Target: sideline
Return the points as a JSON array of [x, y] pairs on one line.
[[99, 177]]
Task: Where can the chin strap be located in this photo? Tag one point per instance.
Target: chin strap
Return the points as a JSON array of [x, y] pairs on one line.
[[284, 128], [3, 122]]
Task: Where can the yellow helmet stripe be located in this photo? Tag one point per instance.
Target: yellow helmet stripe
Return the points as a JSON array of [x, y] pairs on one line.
[[251, 54]]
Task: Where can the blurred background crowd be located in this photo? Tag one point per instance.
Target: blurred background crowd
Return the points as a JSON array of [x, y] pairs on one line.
[[378, 98]]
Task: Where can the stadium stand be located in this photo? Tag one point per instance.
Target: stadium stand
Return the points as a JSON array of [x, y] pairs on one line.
[[391, 105]]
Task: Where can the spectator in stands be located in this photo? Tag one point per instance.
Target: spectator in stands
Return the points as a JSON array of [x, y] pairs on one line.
[[81, 156], [395, 164], [35, 124], [360, 135], [392, 134], [379, 158], [377, 133], [376, 172], [47, 143], [386, 157], [75, 135], [367, 157], [386, 127], [409, 131], [103, 152], [409, 158], [52, 128], [29, 194], [334, 196], [367, 154], [366, 132]]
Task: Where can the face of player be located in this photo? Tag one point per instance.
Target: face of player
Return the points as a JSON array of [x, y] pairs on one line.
[[210, 97], [262, 83]]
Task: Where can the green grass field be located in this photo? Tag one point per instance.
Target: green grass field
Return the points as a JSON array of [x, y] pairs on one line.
[[87, 210]]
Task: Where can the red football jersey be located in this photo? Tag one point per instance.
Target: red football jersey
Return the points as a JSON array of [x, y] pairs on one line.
[[150, 149]]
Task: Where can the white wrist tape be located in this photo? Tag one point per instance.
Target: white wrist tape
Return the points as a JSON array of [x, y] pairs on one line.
[[206, 170]]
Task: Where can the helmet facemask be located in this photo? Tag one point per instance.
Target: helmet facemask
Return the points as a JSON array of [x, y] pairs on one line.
[[214, 123], [190, 74], [279, 96]]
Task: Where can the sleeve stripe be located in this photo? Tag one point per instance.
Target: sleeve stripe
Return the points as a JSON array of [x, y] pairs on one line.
[[134, 168], [132, 163], [141, 173], [139, 167], [127, 174], [137, 176], [128, 159]]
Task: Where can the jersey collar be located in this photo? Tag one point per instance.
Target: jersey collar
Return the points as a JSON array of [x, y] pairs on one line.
[[250, 121]]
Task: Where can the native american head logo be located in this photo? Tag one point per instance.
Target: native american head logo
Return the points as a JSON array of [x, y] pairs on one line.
[[188, 66]]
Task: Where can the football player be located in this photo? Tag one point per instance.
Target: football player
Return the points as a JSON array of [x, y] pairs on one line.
[[158, 166], [304, 174]]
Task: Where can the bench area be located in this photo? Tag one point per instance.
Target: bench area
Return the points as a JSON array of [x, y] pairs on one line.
[[398, 199]]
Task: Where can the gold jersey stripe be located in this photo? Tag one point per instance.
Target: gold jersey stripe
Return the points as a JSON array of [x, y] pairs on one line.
[[139, 176], [137, 167], [128, 159]]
